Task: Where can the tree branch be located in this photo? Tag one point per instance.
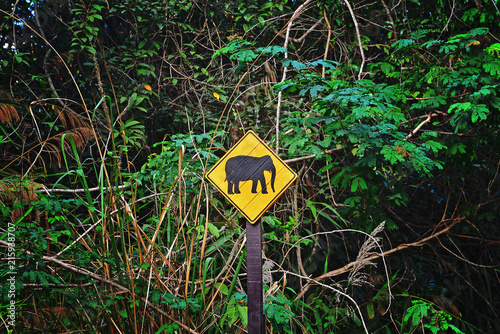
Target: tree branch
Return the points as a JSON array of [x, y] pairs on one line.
[[82, 190], [327, 47], [358, 35], [314, 155], [427, 120], [350, 266], [311, 29], [388, 12], [285, 45]]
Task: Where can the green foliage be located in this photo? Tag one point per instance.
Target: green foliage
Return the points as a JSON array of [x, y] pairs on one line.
[[277, 310], [162, 169], [238, 50], [236, 310], [252, 16], [366, 119], [168, 328], [494, 49], [132, 133], [245, 53], [177, 303], [426, 315]]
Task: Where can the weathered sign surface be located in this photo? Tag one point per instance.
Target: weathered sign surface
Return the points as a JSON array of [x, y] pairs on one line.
[[251, 176]]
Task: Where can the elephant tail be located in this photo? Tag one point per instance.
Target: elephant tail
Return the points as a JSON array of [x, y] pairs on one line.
[[273, 177]]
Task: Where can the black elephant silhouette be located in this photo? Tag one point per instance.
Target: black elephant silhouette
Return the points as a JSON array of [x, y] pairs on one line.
[[243, 168]]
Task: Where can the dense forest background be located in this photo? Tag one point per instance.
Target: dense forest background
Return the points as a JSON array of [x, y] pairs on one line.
[[112, 111]]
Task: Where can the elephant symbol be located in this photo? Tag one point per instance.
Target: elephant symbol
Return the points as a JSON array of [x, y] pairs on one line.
[[243, 168]]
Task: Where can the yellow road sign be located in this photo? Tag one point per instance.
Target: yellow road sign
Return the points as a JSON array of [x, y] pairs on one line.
[[251, 176]]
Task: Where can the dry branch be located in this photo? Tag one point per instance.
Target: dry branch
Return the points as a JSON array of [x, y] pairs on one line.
[[285, 45], [356, 25], [82, 190], [427, 120], [350, 266], [311, 156]]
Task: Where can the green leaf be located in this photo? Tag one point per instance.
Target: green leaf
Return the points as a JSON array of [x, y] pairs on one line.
[[479, 112], [403, 44], [313, 209], [213, 229], [222, 288], [298, 66], [143, 71], [98, 7], [386, 68], [358, 182], [457, 148], [370, 310], [243, 312], [266, 5], [493, 68], [433, 145], [460, 106], [232, 312], [168, 328], [417, 311], [494, 49]]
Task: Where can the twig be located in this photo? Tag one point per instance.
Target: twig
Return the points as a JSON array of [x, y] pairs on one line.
[[427, 120], [388, 12], [285, 45], [314, 155], [11, 14], [350, 266], [74, 191], [311, 29], [363, 60], [49, 50], [327, 48], [452, 12]]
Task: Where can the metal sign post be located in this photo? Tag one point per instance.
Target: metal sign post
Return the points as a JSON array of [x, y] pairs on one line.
[[254, 278]]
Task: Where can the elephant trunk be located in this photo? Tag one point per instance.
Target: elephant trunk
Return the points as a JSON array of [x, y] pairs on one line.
[[273, 177]]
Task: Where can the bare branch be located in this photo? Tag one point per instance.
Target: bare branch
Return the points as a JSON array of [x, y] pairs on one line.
[[388, 12], [285, 45], [427, 120], [314, 155], [358, 35], [350, 266]]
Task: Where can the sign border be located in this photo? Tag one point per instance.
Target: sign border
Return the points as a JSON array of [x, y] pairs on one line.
[[278, 195]]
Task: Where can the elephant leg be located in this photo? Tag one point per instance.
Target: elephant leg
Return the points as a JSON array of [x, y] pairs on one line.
[[237, 187], [254, 186], [263, 184], [230, 185]]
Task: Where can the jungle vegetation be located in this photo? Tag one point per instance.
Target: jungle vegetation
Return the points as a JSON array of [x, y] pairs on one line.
[[111, 112]]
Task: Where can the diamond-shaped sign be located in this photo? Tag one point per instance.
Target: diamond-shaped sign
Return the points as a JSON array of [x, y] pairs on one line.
[[251, 176]]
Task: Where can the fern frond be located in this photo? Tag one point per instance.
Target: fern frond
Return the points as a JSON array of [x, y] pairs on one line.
[[494, 49], [53, 145], [69, 118], [8, 112], [13, 189]]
